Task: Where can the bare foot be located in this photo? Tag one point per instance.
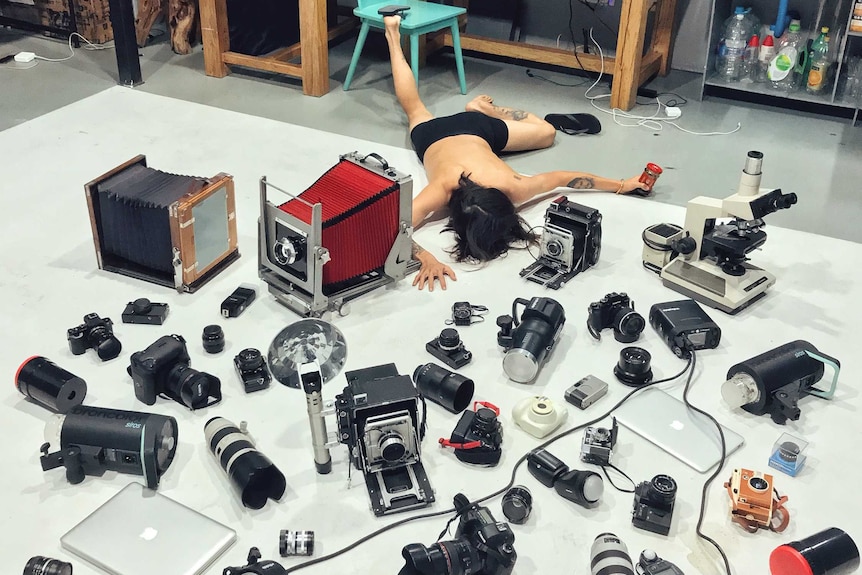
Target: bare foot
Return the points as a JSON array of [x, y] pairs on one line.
[[393, 27], [481, 103]]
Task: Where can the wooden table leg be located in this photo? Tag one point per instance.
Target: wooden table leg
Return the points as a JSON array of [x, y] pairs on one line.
[[215, 36], [630, 44], [314, 38], [663, 34]]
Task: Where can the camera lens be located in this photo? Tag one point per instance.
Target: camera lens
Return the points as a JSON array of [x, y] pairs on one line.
[[456, 557], [190, 385], [392, 447], [448, 389], [633, 367], [47, 566], [628, 324], [663, 488], [106, 345], [295, 543], [213, 339], [758, 484], [554, 248], [250, 359], [449, 339], [517, 504]]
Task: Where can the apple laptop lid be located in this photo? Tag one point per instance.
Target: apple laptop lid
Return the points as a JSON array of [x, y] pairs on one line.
[[682, 432], [140, 532]]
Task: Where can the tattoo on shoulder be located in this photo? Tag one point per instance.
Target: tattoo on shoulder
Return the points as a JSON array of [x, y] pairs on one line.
[[417, 249], [581, 183]]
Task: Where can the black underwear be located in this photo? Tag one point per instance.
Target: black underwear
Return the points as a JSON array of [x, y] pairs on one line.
[[492, 130]]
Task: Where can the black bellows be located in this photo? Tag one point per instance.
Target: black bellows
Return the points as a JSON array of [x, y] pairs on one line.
[[134, 216]]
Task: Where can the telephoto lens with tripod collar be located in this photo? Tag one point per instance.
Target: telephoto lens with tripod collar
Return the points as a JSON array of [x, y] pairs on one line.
[[252, 474]]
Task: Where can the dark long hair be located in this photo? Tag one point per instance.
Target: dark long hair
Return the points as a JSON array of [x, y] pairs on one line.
[[484, 222]]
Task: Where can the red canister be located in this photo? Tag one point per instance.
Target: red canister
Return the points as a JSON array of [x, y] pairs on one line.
[[650, 175]]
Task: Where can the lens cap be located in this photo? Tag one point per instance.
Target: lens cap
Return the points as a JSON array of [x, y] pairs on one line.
[[633, 368]]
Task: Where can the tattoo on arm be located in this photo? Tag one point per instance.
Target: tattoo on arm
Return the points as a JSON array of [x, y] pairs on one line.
[[581, 183], [417, 249], [517, 177]]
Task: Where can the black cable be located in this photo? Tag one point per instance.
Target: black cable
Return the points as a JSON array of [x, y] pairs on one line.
[[572, 33], [497, 493], [621, 472], [673, 101], [602, 22], [532, 74], [716, 473]]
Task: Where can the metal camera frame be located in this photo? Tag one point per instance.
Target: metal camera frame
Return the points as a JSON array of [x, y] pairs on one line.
[[305, 296]]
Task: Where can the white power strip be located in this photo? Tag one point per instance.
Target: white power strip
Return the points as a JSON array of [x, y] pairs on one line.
[[25, 57]]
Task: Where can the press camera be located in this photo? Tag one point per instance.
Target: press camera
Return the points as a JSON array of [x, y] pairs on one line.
[[571, 242], [482, 546], [379, 421]]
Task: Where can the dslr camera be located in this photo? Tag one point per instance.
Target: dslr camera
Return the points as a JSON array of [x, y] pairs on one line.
[[571, 242], [481, 546], [95, 333], [653, 506], [379, 421], [163, 369], [616, 311], [478, 436]]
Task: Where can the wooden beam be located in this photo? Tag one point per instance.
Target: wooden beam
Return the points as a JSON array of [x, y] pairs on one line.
[[630, 44], [650, 65], [663, 34], [531, 52], [265, 63], [313, 34], [215, 36]]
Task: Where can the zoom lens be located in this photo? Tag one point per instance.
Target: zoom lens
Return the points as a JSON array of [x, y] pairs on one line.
[[46, 566], [190, 385], [628, 325], [455, 557], [446, 388]]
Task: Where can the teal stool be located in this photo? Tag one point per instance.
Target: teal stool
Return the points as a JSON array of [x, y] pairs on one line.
[[422, 18]]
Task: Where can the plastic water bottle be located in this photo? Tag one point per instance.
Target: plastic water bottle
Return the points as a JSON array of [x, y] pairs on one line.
[[749, 59], [737, 30], [781, 69], [819, 63], [767, 53]]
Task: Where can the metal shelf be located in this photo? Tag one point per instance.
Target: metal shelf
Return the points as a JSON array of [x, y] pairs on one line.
[[766, 89]]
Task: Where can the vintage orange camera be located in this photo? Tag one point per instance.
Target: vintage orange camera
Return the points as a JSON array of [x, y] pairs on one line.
[[754, 501]]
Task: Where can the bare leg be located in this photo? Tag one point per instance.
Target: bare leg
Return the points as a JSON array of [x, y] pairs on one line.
[[526, 131], [405, 83]]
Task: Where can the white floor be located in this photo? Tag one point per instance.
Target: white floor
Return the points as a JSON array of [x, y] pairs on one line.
[[817, 157]]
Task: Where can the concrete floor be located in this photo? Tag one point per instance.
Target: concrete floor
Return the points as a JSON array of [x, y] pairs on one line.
[[819, 158]]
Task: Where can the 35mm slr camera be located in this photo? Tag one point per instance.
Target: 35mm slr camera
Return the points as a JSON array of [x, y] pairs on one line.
[[478, 436], [163, 369], [653, 505], [571, 243], [95, 333], [482, 546], [617, 311]]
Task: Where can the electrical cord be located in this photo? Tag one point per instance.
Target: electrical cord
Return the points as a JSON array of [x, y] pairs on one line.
[[71, 55], [497, 493], [716, 473], [654, 122], [532, 74]]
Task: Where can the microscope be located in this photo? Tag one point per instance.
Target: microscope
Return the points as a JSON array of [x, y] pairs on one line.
[[707, 260]]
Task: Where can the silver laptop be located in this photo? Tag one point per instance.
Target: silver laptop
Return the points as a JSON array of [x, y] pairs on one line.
[[140, 532], [684, 433]]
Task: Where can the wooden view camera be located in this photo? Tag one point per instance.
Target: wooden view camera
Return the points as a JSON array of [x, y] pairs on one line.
[[173, 230]]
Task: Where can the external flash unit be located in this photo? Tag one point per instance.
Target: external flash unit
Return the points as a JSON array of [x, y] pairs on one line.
[[684, 326], [93, 440], [774, 381]]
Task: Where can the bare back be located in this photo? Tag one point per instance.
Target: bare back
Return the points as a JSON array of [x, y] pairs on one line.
[[448, 158]]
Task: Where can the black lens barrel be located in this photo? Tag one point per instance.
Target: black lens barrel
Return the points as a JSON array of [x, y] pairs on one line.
[[49, 385], [46, 566], [446, 388]]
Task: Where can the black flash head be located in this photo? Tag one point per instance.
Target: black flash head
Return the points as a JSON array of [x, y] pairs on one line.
[[93, 440]]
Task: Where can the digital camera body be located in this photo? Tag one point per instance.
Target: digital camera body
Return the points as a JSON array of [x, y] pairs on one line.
[[653, 504], [571, 243], [617, 311], [95, 333], [379, 422], [482, 546], [478, 437], [164, 369]]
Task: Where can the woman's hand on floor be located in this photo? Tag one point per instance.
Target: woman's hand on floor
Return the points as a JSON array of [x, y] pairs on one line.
[[432, 270]]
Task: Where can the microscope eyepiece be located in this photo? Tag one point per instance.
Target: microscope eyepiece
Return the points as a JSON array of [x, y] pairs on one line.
[[784, 201]]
